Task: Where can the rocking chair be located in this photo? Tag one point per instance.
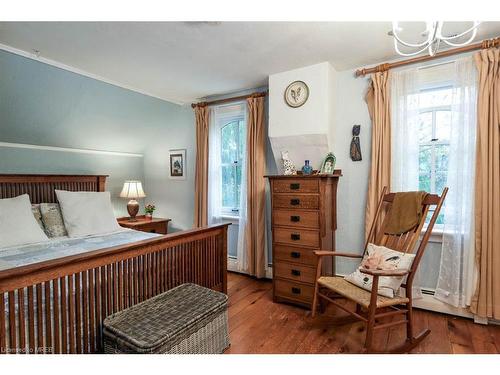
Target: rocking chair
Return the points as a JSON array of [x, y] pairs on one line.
[[370, 306]]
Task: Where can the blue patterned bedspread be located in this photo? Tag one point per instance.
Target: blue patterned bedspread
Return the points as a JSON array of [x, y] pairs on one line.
[[61, 247]]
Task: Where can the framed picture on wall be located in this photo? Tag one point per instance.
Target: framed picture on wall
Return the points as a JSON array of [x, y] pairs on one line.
[[177, 164]]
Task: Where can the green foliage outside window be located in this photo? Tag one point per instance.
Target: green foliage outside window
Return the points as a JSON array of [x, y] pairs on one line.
[[434, 141], [233, 140]]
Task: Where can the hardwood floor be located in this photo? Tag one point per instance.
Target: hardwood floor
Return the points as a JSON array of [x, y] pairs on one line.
[[257, 325]]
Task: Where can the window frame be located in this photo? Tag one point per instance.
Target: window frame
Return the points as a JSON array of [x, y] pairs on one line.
[[223, 121], [433, 142]]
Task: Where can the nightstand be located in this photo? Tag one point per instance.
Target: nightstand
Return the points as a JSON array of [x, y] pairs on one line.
[[154, 225]]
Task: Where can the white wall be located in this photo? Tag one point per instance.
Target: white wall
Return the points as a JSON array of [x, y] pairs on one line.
[[351, 109], [307, 131], [332, 105], [313, 116]]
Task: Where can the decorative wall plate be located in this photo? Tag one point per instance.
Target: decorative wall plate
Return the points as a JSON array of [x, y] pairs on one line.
[[296, 94]]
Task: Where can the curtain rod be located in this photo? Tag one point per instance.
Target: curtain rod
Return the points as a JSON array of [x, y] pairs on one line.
[[487, 43], [228, 100]]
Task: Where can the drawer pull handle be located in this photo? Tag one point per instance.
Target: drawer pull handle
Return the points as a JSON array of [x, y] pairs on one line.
[[295, 236], [294, 186], [295, 254], [295, 201], [295, 272], [295, 290], [295, 218]]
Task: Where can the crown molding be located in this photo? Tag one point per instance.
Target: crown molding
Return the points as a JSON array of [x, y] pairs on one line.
[[84, 73]]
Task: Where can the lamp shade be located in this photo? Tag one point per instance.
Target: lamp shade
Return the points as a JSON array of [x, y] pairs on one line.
[[132, 190]]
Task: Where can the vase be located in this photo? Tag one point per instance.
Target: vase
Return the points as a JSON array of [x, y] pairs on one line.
[[307, 169], [148, 216]]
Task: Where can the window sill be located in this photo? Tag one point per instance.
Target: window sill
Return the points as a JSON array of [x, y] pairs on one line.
[[233, 219], [436, 235]]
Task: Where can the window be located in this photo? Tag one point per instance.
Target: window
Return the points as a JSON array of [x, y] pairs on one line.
[[423, 101], [233, 140], [434, 127]]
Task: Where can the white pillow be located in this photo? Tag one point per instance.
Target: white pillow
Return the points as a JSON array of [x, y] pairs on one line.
[[18, 226], [380, 257], [87, 213]]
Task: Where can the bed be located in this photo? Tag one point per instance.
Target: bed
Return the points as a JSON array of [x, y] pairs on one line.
[[54, 297]]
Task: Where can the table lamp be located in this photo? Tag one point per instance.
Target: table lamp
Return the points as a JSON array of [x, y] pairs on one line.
[[132, 190]]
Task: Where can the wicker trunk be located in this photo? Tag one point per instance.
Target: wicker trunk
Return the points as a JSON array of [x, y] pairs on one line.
[[188, 319]]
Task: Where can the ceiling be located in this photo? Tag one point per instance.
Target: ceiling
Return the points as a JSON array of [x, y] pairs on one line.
[[184, 61]]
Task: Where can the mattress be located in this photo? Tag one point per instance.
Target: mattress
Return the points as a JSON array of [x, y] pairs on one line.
[[64, 246], [57, 248]]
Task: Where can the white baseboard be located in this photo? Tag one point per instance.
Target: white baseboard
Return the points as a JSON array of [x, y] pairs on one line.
[[232, 265], [269, 272], [479, 320], [428, 302]]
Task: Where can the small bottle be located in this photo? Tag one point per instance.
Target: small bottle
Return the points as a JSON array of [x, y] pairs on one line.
[[307, 169]]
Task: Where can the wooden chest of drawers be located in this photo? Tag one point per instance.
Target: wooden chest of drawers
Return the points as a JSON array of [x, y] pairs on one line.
[[303, 220]]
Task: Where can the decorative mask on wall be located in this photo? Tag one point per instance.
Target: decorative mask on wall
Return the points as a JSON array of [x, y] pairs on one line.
[[355, 145]]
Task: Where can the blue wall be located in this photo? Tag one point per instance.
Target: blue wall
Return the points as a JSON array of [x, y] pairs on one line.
[[120, 168], [47, 106]]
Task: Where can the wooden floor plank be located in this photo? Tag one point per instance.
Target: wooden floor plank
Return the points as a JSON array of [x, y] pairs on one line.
[[459, 335], [347, 338], [236, 282], [249, 328], [482, 341], [495, 334], [247, 294], [258, 325], [289, 328], [241, 311], [438, 340], [322, 335]]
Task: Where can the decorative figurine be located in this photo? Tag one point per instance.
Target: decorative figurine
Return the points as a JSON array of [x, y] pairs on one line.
[[328, 166], [307, 169], [355, 145], [288, 166]]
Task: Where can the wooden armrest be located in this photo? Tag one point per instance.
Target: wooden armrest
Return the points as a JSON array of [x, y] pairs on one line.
[[324, 253], [384, 272]]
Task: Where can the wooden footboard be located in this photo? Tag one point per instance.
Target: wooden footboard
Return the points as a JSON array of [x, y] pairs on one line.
[[58, 306]]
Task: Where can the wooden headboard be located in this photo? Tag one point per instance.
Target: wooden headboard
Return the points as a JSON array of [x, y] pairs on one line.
[[41, 187]]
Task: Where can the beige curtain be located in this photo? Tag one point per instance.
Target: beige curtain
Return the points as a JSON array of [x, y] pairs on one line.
[[378, 100], [201, 174], [486, 301], [255, 231]]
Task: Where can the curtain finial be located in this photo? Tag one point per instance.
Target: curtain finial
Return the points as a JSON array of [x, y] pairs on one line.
[[200, 104]]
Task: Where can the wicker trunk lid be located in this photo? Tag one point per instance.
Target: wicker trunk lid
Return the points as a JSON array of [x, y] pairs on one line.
[[159, 323]]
